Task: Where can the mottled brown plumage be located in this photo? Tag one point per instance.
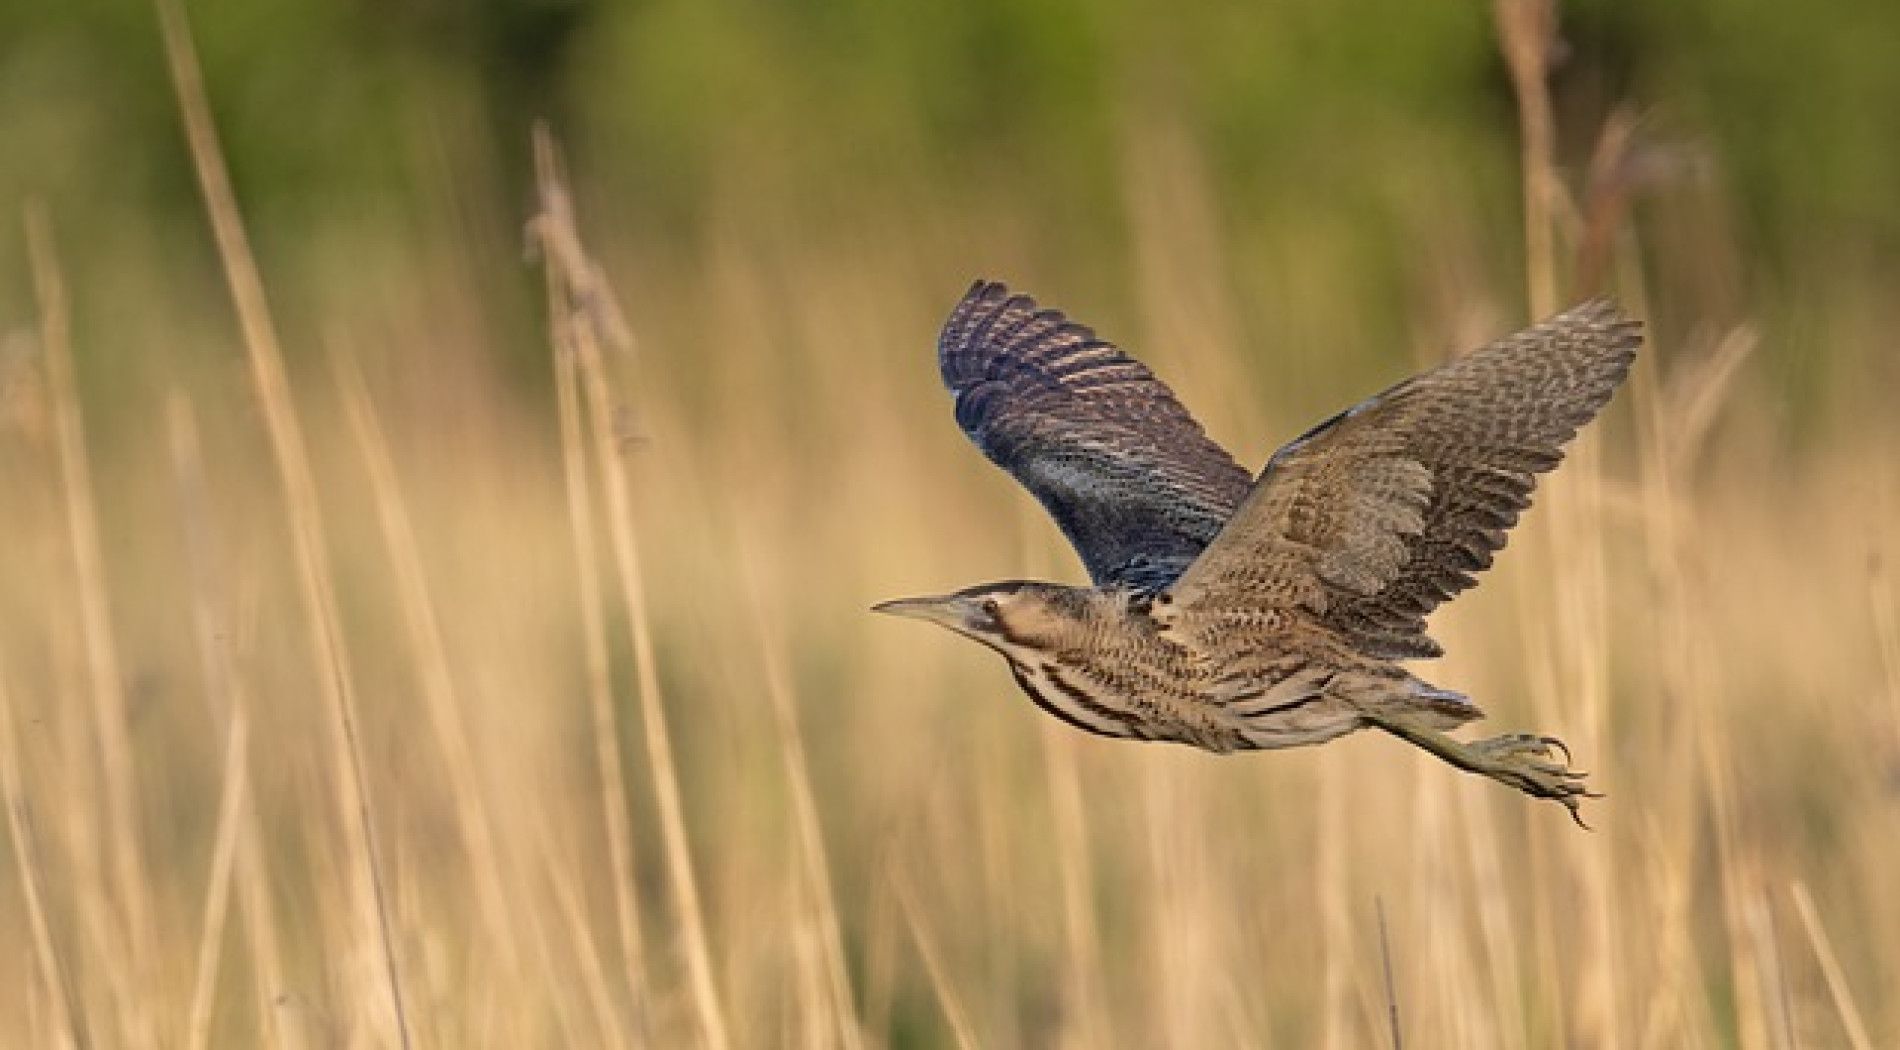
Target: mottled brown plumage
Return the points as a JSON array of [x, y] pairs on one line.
[[1233, 614]]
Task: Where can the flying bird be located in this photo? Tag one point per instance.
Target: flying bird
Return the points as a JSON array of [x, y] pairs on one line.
[[1235, 613]]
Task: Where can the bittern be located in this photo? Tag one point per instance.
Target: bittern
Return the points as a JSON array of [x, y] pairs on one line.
[[1232, 613]]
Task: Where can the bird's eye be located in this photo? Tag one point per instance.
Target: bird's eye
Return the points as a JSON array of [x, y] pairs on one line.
[[991, 608]]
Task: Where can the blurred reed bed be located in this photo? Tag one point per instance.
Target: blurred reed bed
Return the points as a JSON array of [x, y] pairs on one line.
[[368, 691]]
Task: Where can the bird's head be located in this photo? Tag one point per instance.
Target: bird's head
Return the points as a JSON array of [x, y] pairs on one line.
[[1010, 615]]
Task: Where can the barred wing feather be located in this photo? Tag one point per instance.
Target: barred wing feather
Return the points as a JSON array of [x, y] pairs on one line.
[[1375, 517], [1125, 471]]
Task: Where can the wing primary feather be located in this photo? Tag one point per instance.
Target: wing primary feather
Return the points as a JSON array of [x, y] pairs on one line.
[[1125, 471], [1340, 526]]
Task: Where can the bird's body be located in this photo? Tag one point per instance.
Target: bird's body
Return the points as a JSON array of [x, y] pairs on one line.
[[1233, 613], [1108, 661]]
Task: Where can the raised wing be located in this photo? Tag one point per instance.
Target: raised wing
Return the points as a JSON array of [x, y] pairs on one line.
[[1130, 477], [1369, 521]]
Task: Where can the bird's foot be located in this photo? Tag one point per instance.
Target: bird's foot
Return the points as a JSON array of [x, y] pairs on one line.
[[1538, 766]]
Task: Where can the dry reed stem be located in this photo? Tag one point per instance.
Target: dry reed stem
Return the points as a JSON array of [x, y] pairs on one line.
[[1583, 607], [1708, 735], [778, 689], [947, 999], [47, 957], [1667, 436], [814, 1019], [591, 303], [606, 724], [558, 870], [105, 689], [231, 807], [1087, 1003], [430, 653], [880, 946], [1394, 1027], [300, 500], [1751, 1013], [1769, 971], [1526, 30], [1679, 417], [227, 703], [1674, 964], [677, 847], [1495, 923], [1169, 997], [1609, 190], [1837, 989], [72, 778], [1697, 396], [1443, 949], [1086, 1015], [1332, 881], [609, 764], [1179, 903]]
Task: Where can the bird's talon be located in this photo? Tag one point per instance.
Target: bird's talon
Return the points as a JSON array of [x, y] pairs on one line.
[[1576, 814], [1531, 764]]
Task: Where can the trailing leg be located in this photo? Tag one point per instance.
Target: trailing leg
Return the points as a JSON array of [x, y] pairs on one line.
[[1524, 761]]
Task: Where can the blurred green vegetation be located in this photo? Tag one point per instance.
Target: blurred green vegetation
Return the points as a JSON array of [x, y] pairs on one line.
[[343, 124]]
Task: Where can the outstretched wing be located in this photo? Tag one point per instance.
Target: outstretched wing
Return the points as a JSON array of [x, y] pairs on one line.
[[1130, 477], [1369, 521]]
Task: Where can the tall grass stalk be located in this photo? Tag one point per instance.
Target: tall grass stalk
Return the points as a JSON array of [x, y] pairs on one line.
[[53, 970], [609, 1024], [609, 765], [842, 1014], [105, 689], [951, 1003], [328, 647], [593, 319], [228, 703], [1837, 988], [486, 864], [235, 799], [1578, 649]]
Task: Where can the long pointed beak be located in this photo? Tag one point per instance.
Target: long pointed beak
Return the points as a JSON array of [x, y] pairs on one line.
[[942, 609]]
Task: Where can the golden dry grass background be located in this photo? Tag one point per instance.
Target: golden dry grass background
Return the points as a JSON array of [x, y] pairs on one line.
[[378, 691]]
